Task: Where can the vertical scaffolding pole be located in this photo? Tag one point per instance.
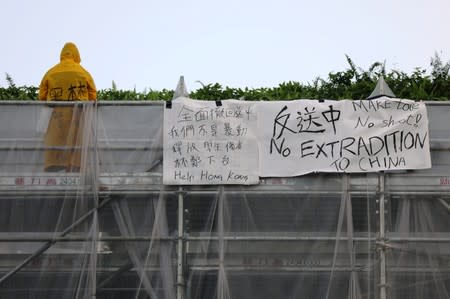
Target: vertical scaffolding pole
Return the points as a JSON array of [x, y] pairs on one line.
[[94, 254], [95, 180], [382, 247], [180, 247]]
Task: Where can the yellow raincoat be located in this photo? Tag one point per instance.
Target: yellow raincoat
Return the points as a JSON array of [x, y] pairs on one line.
[[66, 81]]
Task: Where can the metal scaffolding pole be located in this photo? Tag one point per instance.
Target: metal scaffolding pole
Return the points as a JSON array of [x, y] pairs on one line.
[[180, 248], [95, 176], [382, 247]]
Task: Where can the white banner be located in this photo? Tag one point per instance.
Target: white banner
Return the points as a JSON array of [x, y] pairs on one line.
[[303, 136], [210, 143], [236, 142]]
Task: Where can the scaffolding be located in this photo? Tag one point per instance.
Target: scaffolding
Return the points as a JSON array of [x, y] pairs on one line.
[[113, 230]]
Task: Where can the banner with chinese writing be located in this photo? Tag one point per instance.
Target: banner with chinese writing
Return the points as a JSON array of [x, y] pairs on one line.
[[303, 136], [207, 142]]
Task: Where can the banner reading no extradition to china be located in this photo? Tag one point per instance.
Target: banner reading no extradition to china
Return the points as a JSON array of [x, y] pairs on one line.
[[304, 136]]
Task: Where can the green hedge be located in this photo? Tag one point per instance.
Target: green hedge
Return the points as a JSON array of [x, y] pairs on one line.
[[351, 83]]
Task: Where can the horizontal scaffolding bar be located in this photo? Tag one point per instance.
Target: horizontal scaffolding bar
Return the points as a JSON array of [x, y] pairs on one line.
[[20, 239]]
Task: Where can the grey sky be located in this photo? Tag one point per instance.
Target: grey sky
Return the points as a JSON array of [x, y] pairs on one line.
[[238, 43]]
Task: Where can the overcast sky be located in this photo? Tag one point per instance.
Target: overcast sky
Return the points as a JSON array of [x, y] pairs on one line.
[[255, 43]]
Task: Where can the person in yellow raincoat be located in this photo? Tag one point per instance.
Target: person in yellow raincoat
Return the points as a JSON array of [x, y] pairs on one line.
[[66, 81]]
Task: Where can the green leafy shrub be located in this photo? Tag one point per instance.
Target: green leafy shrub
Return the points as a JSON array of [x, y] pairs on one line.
[[351, 83]]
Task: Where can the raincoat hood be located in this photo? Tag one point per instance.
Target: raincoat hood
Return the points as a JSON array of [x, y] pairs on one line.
[[70, 51]]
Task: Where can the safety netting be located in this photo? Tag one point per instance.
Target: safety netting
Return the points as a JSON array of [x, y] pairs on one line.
[[84, 214]]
